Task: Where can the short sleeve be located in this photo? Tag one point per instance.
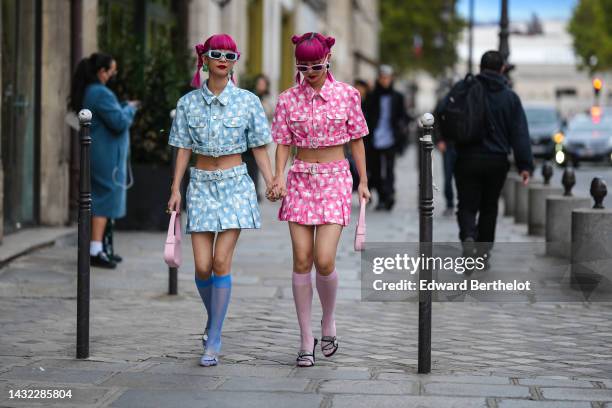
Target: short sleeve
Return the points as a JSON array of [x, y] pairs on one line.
[[356, 124], [258, 131], [280, 131], [179, 134]]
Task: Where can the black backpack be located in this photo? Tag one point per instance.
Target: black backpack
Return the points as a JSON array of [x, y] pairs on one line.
[[463, 119]]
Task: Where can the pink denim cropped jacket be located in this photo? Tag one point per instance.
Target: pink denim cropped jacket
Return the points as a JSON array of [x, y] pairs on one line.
[[330, 117]]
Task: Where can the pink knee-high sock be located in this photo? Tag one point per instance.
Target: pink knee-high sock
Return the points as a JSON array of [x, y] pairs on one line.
[[327, 286], [302, 295]]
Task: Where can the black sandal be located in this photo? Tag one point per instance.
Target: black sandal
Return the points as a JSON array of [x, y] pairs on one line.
[[305, 356], [328, 343]]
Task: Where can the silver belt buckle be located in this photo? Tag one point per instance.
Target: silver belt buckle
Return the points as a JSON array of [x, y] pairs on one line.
[[313, 169], [218, 174]]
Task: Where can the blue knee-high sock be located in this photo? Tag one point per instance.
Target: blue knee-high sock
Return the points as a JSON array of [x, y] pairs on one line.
[[205, 289], [221, 292]]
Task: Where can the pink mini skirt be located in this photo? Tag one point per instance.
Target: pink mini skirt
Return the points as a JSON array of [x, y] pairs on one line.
[[318, 193]]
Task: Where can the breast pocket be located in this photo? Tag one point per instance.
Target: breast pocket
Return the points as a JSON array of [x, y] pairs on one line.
[[198, 128], [233, 130], [336, 122], [298, 124]]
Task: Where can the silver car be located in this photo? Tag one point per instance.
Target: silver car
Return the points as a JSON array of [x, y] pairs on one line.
[[544, 122], [588, 137]]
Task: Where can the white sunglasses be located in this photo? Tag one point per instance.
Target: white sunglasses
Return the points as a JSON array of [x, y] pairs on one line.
[[217, 55]]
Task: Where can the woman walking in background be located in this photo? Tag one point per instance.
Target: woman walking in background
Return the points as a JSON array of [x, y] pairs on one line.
[[218, 121], [110, 143], [319, 115]]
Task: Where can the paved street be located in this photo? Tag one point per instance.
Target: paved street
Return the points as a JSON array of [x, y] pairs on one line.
[[145, 345]]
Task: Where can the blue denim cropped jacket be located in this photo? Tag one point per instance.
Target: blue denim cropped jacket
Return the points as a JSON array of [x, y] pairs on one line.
[[219, 125]]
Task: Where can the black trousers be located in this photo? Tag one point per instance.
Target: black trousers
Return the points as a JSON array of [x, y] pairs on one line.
[[381, 169], [449, 158], [479, 181]]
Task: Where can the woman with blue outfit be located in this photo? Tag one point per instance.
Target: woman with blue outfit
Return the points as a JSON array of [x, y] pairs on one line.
[[110, 143], [218, 121]]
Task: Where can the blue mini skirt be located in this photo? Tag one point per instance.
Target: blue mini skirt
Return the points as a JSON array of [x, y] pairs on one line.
[[219, 200]]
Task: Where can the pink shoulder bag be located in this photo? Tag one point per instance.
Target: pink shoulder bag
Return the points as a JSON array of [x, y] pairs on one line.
[[172, 249], [360, 231]]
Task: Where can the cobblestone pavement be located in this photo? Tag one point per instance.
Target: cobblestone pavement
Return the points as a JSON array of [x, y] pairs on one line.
[[145, 345]]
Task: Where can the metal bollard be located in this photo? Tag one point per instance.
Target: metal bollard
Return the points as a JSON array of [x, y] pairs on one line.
[[558, 209], [599, 189], [426, 209], [172, 272], [537, 195], [591, 246], [84, 237], [568, 180]]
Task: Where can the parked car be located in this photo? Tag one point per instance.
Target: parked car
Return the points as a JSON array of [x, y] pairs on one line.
[[588, 137], [545, 124]]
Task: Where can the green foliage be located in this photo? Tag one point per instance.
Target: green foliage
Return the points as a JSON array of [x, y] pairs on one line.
[[590, 26], [157, 77], [435, 21]]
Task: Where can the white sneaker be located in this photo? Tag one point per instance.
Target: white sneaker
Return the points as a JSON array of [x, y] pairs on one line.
[[209, 360]]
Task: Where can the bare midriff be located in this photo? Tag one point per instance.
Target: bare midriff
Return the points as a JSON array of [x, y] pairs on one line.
[[321, 155], [218, 163]]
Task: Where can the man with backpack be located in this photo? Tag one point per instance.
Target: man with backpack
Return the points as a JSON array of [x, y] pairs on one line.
[[486, 121]]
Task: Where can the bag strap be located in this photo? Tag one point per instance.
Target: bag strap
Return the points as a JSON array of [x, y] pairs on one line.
[[361, 221], [174, 228]]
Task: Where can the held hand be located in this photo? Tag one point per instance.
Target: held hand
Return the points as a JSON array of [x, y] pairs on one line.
[[276, 190], [364, 192], [134, 104], [174, 204], [525, 177], [270, 191]]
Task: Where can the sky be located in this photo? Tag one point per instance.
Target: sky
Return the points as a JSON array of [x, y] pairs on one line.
[[519, 10]]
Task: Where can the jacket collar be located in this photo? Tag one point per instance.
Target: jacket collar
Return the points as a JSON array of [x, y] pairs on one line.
[[325, 92], [223, 97]]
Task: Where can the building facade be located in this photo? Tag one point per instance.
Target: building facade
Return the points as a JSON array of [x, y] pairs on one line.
[[43, 40], [545, 65]]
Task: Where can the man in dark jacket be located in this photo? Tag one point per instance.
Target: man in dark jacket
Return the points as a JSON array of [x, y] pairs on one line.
[[481, 168], [386, 117]]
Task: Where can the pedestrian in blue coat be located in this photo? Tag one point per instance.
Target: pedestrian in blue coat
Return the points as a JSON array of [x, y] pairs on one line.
[[109, 147]]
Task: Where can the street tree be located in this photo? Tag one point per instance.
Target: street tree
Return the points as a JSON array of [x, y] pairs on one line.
[[419, 34], [592, 32]]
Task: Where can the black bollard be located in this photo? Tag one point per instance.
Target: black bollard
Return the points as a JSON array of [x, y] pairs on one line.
[[172, 272], [172, 281], [568, 180], [547, 172], [599, 189], [426, 209], [84, 236]]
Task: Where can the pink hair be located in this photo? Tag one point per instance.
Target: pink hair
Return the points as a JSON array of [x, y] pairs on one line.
[[312, 47], [214, 42]]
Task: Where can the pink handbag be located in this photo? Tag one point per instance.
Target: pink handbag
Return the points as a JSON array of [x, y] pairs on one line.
[[172, 249], [360, 231]]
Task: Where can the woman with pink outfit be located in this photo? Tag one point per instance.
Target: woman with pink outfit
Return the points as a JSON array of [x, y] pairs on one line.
[[318, 116]]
